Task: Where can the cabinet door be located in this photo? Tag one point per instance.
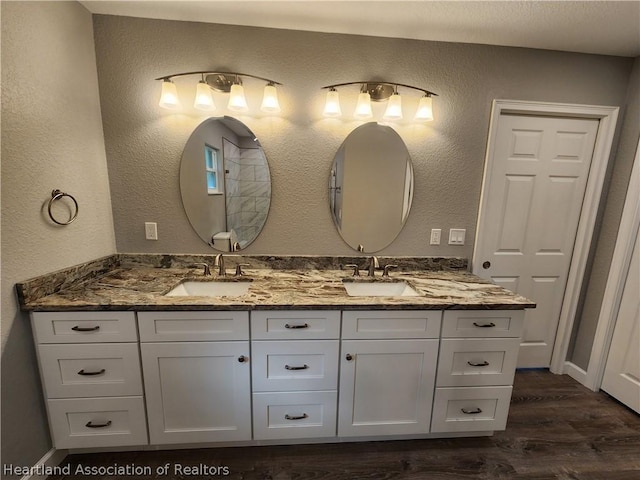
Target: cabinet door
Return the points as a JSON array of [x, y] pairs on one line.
[[197, 392], [386, 386]]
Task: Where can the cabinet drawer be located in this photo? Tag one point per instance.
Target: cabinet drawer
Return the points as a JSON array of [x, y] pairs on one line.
[[193, 326], [482, 323], [303, 324], [473, 409], [97, 422], [391, 324], [303, 365], [95, 370], [477, 361], [294, 415], [84, 327]]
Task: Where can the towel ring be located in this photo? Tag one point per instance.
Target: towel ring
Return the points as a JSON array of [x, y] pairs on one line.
[[57, 195]]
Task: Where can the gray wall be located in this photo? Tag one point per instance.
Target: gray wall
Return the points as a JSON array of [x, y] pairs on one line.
[[448, 154], [51, 138], [611, 212]]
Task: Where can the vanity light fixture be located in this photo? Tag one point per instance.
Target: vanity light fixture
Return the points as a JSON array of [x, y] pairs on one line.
[[379, 92], [363, 107], [394, 107], [225, 82], [332, 104], [169, 95]]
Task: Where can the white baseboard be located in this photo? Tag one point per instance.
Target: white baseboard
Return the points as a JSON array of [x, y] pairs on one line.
[[575, 372], [51, 459]]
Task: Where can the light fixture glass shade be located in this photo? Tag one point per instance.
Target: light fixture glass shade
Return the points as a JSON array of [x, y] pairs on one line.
[[332, 104], [363, 107], [425, 109], [394, 108], [204, 99], [169, 96], [237, 102], [270, 102]]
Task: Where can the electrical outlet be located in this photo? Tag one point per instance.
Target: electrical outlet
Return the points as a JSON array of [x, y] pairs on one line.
[[456, 236], [435, 236], [151, 230]]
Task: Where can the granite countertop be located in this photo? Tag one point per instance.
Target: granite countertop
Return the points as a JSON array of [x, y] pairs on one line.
[[119, 283]]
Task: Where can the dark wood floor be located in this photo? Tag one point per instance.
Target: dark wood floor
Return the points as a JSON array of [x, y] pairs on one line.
[[557, 429]]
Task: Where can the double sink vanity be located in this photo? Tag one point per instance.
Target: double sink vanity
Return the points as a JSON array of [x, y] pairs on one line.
[[145, 351]]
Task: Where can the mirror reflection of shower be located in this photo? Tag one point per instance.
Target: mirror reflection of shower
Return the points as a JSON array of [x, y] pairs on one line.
[[247, 189], [225, 183]]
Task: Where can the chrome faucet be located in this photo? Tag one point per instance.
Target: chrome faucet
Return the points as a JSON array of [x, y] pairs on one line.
[[373, 265], [385, 273], [219, 262], [207, 270]]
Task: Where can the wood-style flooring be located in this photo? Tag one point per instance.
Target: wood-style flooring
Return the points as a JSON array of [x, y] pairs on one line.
[[557, 429]]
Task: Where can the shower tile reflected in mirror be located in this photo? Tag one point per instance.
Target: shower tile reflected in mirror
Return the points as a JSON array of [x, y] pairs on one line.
[[238, 206], [248, 176]]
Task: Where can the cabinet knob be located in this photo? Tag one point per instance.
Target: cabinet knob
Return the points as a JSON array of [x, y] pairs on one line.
[[486, 265], [242, 359], [349, 357]]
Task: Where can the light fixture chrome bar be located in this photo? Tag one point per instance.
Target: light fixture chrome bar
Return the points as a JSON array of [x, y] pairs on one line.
[[211, 72], [370, 84]]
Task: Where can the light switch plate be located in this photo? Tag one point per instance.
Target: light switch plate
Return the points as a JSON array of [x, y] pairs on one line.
[[456, 236], [151, 230], [435, 236]]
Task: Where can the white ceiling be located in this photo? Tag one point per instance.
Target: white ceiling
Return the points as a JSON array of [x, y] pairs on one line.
[[600, 27]]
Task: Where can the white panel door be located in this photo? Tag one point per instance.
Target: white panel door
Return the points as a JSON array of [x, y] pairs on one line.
[[197, 392], [622, 372], [534, 189], [386, 387]]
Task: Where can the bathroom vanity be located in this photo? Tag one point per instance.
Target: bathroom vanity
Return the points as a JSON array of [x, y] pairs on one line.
[[294, 359]]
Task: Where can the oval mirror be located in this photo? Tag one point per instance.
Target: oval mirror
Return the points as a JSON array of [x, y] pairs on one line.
[[371, 187], [225, 183]]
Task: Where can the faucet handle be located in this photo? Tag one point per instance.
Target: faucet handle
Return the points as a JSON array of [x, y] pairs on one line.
[[207, 270], [385, 273], [239, 268], [356, 269]]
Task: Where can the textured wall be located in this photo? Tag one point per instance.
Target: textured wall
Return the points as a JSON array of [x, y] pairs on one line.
[[144, 143], [620, 172], [51, 138]]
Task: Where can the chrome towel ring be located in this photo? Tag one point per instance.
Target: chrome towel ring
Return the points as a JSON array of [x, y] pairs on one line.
[[57, 195]]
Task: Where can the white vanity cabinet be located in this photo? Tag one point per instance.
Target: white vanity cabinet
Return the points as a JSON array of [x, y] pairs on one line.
[[274, 375], [476, 366], [90, 370], [387, 372], [295, 373], [196, 375]]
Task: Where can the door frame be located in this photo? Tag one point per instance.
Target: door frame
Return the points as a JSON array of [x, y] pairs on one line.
[[616, 280], [607, 117]]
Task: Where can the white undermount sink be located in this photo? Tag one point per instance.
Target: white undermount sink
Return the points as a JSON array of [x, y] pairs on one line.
[[209, 289], [381, 289]]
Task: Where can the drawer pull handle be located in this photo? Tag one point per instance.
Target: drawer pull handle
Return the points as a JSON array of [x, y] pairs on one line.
[[466, 411], [295, 326], [298, 417], [98, 372], [302, 367], [85, 329], [484, 325], [479, 364], [98, 425]]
